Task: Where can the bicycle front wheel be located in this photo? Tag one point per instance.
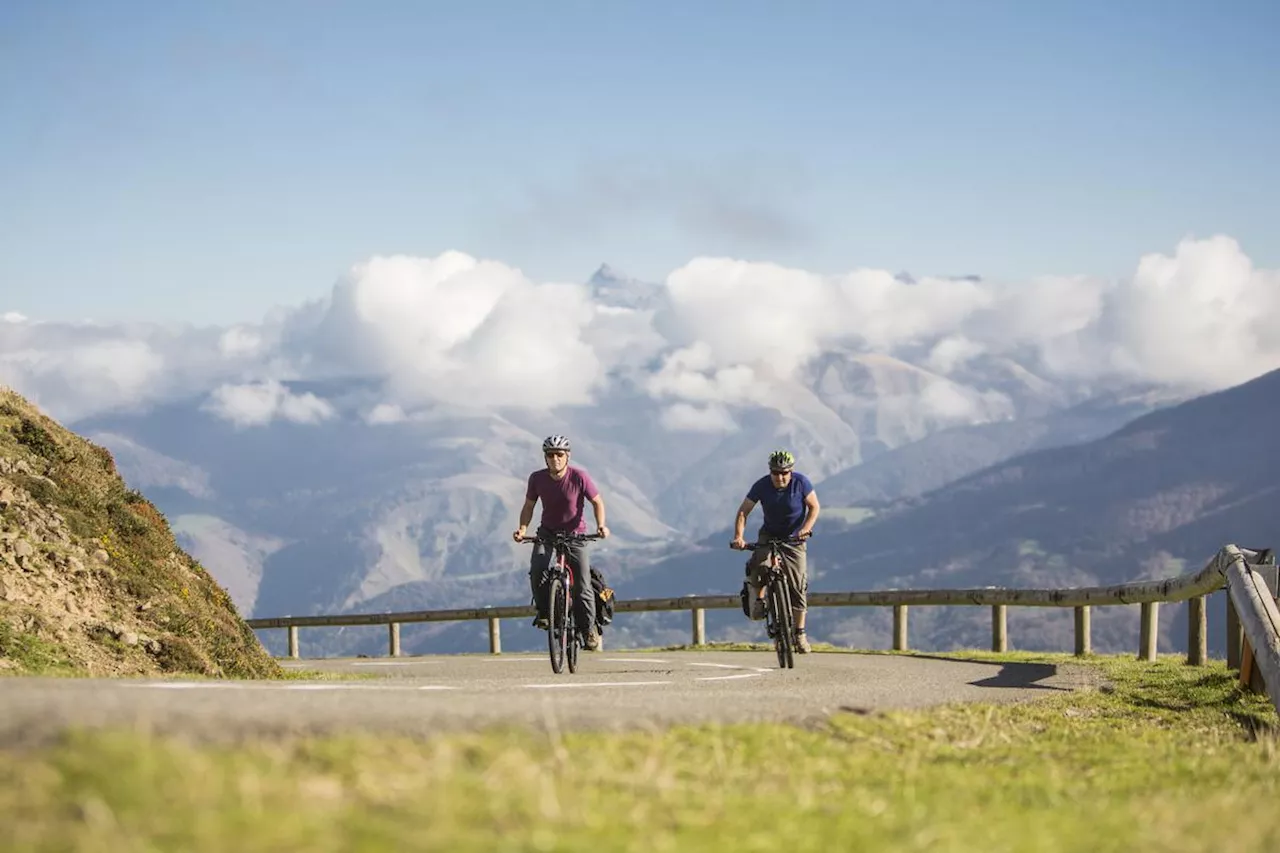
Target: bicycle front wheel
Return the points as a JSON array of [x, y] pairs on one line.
[[781, 604], [558, 628]]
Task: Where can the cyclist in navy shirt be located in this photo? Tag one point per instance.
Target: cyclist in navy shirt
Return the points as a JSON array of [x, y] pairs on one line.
[[790, 507]]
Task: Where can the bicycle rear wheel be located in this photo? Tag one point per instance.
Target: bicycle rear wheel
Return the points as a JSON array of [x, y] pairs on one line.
[[557, 629], [571, 648]]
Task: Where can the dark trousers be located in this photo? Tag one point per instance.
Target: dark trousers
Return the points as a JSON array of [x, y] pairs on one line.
[[583, 595]]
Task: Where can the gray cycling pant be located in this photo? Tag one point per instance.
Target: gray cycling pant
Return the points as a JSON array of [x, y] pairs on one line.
[[583, 595], [793, 566]]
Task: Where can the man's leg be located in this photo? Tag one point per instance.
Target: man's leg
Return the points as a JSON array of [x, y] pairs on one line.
[[795, 564], [538, 562], [755, 576], [584, 595]]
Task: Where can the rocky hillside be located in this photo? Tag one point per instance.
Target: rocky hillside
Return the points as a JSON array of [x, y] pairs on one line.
[[91, 580]]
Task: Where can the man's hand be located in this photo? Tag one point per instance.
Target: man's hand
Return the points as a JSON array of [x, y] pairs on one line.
[[804, 534], [518, 535], [603, 532], [738, 544]]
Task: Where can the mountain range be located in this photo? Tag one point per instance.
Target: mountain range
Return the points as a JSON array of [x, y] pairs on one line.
[[370, 508], [1152, 499]]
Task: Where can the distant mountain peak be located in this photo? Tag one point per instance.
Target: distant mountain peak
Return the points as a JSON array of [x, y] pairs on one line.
[[607, 274], [907, 278], [614, 288]]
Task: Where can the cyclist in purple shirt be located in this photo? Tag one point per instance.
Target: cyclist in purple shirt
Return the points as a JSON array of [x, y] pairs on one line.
[[564, 490], [790, 507]]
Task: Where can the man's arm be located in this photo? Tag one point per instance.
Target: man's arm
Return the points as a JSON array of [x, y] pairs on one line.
[[812, 508], [740, 521], [526, 516], [597, 506], [592, 493]]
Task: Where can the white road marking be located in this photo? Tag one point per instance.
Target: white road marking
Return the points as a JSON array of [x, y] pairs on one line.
[[595, 684], [721, 665], [213, 685], [186, 685], [366, 687], [727, 677], [392, 662], [635, 660]]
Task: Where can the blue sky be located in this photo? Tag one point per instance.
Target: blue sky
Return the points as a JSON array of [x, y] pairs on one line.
[[203, 162]]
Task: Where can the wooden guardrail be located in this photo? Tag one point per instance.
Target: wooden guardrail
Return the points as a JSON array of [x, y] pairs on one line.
[[1192, 588], [1253, 626]]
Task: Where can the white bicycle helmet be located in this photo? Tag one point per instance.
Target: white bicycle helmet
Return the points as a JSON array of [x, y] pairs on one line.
[[556, 442]]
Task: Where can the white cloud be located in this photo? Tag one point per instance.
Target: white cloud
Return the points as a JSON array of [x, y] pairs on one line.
[[461, 331], [385, 413], [258, 403], [78, 376], [691, 373], [623, 336], [13, 317], [1198, 319], [1203, 318], [948, 402], [458, 330], [952, 352], [686, 417], [240, 341]]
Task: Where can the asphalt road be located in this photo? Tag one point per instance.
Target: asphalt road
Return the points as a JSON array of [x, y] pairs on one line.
[[423, 695]]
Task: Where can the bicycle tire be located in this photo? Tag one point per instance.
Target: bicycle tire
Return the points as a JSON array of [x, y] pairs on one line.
[[780, 607], [788, 623], [571, 642], [556, 629]]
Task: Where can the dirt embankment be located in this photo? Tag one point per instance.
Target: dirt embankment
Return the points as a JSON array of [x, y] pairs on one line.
[[91, 579]]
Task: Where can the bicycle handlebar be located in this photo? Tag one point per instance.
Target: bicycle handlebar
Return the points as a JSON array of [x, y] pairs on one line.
[[560, 536], [794, 540]]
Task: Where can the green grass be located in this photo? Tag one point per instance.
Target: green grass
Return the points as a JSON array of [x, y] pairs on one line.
[[1165, 757], [31, 653]]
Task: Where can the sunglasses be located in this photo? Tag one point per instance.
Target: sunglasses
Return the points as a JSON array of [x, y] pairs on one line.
[[556, 453]]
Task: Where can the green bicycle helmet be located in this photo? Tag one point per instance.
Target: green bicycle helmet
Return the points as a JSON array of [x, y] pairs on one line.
[[781, 460]]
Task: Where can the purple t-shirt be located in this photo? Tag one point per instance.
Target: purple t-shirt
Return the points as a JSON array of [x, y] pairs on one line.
[[562, 500]]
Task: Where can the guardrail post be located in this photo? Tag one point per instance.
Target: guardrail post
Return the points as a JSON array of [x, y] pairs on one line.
[[293, 641], [699, 626], [999, 628], [1150, 627], [1197, 632], [899, 627], [1084, 642], [1235, 635], [393, 639], [495, 635]]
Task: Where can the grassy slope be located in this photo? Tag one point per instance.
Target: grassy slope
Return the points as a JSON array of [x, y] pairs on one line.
[[103, 588], [1166, 758]]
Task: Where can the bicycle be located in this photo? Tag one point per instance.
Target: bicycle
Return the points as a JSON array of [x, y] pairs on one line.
[[779, 618], [563, 635]]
